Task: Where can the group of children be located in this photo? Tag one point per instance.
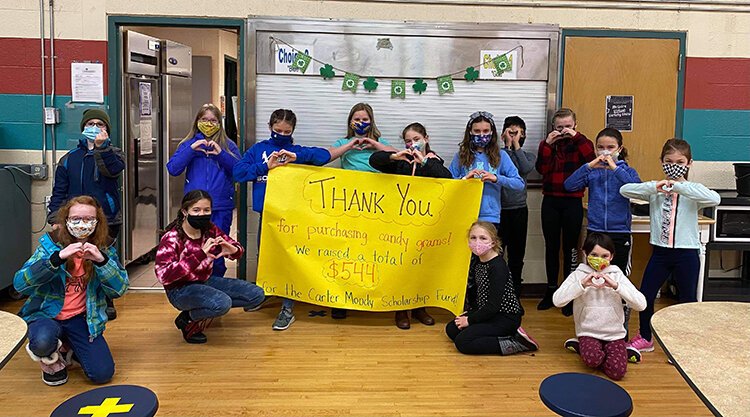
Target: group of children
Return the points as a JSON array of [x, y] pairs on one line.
[[75, 268]]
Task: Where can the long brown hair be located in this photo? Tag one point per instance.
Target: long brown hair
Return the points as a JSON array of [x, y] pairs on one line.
[[492, 150], [100, 237], [676, 145], [374, 133], [188, 200], [219, 137]]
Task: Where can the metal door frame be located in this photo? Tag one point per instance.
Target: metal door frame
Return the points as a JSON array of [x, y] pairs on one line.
[[115, 88]]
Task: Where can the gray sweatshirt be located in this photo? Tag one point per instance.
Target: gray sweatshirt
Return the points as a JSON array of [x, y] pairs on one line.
[[524, 162]]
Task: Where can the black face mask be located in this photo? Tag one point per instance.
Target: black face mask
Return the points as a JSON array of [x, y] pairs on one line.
[[201, 223]]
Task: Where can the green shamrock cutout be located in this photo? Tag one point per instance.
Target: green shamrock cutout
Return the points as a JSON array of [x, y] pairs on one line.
[[370, 84], [471, 74], [419, 86], [327, 72]]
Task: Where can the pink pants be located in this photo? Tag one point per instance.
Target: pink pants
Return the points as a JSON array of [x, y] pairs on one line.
[[610, 357]]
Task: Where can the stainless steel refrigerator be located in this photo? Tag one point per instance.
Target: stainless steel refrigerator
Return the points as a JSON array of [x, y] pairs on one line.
[[157, 100]]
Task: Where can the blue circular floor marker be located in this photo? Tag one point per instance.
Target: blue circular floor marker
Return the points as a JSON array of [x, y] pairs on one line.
[[110, 401], [583, 395]]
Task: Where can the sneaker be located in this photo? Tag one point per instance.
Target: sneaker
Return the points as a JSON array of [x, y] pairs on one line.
[[527, 340], [192, 331], [573, 345], [54, 379], [546, 302], [259, 306], [514, 344], [634, 356], [284, 320], [641, 344]]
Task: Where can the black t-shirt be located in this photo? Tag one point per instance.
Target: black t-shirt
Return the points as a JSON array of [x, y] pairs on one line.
[[490, 290]]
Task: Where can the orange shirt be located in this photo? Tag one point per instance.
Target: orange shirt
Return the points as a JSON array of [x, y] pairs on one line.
[[75, 291]]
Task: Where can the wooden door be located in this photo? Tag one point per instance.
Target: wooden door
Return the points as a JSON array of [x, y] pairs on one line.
[[645, 68]]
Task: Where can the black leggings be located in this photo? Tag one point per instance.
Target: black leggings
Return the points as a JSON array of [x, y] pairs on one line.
[[481, 338], [561, 214], [514, 225]]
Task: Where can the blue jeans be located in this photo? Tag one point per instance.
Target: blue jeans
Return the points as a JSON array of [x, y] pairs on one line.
[[215, 297], [683, 265], [223, 220], [94, 356], [285, 302]]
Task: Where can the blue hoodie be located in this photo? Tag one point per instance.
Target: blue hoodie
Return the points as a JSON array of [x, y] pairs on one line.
[[608, 211], [507, 177], [94, 172], [212, 173], [254, 164]]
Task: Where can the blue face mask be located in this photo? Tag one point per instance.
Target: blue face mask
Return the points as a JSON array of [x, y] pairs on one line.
[[90, 132], [480, 141], [361, 128], [281, 139]]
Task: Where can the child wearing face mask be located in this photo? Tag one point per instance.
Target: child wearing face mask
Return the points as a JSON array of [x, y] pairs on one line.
[[267, 155], [674, 204], [514, 216], [492, 322], [608, 211], [416, 160], [184, 265], [68, 278], [559, 155], [208, 156], [479, 157], [362, 140], [598, 288], [92, 168]]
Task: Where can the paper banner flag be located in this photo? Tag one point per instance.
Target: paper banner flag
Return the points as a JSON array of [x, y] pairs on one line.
[[502, 63], [398, 88], [445, 84], [301, 61], [351, 81]]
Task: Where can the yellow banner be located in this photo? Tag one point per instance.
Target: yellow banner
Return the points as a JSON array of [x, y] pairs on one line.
[[365, 241]]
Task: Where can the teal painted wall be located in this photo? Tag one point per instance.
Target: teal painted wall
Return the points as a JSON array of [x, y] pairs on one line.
[[718, 135], [22, 116]]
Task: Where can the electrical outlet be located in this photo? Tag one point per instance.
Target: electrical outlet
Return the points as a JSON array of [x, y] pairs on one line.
[[51, 115], [39, 171], [47, 200]]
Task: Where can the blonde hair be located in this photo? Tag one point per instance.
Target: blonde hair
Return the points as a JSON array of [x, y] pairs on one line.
[[491, 230], [219, 137]]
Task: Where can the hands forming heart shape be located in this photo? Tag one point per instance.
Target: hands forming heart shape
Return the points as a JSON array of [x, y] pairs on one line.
[[598, 280], [225, 247], [279, 158], [362, 143], [208, 147], [665, 186]]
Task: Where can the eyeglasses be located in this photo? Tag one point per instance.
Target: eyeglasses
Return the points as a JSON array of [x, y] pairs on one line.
[[205, 119], [100, 125], [77, 219]]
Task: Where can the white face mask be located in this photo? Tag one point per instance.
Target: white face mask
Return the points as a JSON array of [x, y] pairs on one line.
[[615, 155], [81, 228]]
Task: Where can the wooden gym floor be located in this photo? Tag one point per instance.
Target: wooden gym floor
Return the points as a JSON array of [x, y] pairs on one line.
[[361, 366]]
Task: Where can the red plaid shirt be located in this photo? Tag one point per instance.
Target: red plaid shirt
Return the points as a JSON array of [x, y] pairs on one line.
[[558, 161], [182, 261]]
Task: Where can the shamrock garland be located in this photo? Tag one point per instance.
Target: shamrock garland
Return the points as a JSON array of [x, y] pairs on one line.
[[501, 64]]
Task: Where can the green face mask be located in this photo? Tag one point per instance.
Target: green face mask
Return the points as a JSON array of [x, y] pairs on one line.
[[597, 263], [208, 128]]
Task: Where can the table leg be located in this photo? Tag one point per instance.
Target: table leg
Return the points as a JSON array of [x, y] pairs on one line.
[[704, 235]]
